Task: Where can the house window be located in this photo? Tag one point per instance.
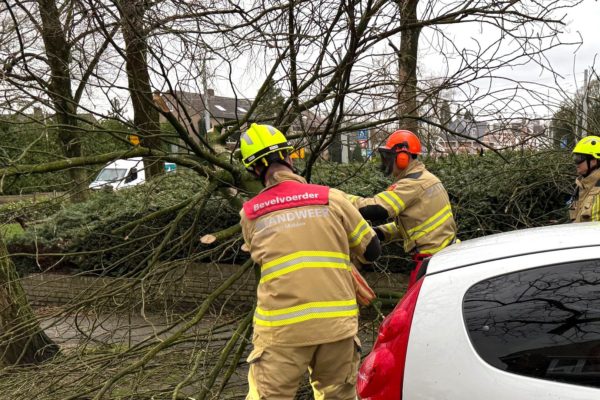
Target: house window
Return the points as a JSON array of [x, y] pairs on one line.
[[218, 107], [240, 109]]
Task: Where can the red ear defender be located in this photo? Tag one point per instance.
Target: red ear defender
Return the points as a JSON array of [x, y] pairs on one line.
[[402, 160]]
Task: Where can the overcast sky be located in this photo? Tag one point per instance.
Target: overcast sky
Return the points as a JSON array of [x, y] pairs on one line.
[[539, 88], [568, 61], [571, 62]]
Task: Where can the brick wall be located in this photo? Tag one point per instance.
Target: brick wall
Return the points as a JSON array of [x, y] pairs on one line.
[[180, 286]]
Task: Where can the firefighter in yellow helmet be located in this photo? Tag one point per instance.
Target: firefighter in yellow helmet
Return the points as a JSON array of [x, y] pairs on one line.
[[417, 203], [585, 205], [302, 236]]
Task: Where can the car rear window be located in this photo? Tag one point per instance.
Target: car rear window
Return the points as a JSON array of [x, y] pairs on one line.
[[542, 322]]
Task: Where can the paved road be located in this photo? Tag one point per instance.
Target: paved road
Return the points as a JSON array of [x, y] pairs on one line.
[[73, 331]]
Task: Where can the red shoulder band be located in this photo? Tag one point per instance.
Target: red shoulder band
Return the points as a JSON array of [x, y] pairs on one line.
[[287, 194]]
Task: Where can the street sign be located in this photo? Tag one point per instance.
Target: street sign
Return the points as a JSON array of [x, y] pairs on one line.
[[170, 167], [362, 134]]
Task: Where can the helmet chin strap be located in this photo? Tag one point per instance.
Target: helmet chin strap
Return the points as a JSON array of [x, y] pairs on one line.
[[386, 167], [590, 169], [263, 173]]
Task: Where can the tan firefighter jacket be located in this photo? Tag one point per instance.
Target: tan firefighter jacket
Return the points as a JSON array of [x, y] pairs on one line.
[[420, 209], [302, 236], [586, 201]]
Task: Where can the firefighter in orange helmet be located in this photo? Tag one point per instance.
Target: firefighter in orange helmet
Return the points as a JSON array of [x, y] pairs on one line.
[[417, 202], [302, 236]]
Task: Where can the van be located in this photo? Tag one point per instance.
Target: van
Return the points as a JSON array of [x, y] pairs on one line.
[[123, 173]]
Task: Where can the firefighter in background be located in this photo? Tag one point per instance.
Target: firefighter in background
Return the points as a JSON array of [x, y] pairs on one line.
[[585, 205], [417, 203], [302, 236]]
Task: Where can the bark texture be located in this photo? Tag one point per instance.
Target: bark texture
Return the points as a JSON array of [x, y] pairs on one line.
[[22, 340]]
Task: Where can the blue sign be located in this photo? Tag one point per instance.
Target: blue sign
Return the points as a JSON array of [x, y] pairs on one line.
[[170, 167], [362, 134], [563, 143]]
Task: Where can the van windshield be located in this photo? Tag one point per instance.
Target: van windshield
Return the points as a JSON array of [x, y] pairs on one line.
[[111, 174]]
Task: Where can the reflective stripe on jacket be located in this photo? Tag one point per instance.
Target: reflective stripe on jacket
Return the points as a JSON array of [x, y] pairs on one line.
[[303, 241], [419, 206], [585, 206]]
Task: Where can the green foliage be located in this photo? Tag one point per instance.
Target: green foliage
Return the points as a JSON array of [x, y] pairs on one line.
[[10, 231], [489, 194], [565, 123], [564, 126], [25, 140], [29, 212], [362, 179], [357, 155], [270, 103], [84, 231]]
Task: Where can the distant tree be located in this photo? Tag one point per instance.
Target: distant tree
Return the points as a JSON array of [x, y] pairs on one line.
[[357, 155], [58, 53], [445, 113], [145, 114], [407, 54], [468, 116], [567, 124], [270, 103], [593, 100], [564, 126]]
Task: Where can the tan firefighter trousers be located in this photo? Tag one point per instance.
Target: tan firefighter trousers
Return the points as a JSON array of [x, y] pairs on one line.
[[275, 371]]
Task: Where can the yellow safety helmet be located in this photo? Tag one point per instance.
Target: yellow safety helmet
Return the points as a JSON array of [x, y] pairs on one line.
[[589, 145], [260, 141]]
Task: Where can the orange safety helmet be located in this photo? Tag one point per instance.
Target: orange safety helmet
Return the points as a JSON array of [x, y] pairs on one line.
[[400, 147]]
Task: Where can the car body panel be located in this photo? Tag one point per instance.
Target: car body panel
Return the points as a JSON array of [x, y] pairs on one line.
[[441, 362], [511, 244], [119, 181]]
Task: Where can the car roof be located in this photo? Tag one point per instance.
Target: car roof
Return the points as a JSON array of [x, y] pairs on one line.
[[515, 243], [125, 163]]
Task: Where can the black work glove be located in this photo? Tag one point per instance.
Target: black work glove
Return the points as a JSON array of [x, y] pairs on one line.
[[379, 232]]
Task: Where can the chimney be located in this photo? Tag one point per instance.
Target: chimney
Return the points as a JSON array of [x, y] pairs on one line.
[[211, 92]]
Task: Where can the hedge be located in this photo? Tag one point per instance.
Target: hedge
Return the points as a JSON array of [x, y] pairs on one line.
[[85, 230], [489, 193]]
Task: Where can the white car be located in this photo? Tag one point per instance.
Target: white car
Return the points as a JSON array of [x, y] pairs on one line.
[[124, 173], [120, 174], [513, 316]]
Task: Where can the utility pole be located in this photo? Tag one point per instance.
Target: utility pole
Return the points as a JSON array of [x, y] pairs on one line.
[[205, 96], [584, 105]]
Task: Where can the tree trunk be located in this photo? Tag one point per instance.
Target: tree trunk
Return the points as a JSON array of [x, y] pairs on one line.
[[22, 341], [407, 67], [59, 56], [145, 116]]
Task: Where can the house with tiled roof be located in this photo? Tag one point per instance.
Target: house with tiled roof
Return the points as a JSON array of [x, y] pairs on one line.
[[189, 108]]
